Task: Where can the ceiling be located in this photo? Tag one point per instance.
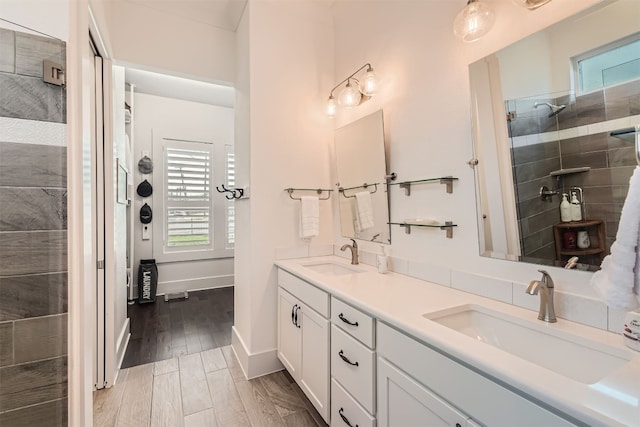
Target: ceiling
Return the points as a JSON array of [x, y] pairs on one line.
[[224, 14], [180, 88]]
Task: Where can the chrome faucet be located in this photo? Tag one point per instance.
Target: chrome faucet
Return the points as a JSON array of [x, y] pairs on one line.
[[354, 251], [545, 288]]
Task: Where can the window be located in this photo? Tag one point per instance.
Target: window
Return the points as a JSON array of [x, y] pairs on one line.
[[191, 219], [608, 65], [231, 183]]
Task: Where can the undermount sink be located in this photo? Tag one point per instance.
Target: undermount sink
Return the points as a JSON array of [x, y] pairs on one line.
[[566, 354], [332, 268]]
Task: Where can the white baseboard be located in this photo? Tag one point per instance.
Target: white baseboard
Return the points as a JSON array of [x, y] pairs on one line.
[[123, 342], [195, 284], [256, 364]]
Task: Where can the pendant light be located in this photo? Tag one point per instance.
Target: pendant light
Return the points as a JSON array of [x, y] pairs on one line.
[[474, 21]]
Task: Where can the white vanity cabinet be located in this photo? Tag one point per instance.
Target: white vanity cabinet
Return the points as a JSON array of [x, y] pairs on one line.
[[353, 366], [303, 337], [416, 382]]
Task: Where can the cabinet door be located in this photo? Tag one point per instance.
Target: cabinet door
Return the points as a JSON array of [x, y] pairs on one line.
[[289, 333], [314, 378], [403, 402]]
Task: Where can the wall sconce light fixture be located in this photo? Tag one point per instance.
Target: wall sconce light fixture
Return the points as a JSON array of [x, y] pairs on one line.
[[474, 21], [531, 4], [355, 91]]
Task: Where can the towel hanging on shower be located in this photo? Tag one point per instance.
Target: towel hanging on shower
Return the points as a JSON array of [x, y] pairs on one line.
[[618, 280]]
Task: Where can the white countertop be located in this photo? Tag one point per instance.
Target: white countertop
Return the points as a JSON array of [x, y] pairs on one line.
[[401, 301]]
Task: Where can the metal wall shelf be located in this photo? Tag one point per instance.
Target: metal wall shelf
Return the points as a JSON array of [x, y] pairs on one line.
[[446, 180], [447, 226]]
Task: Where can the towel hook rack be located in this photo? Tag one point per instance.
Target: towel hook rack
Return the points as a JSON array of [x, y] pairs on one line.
[[319, 191], [232, 193], [365, 186]]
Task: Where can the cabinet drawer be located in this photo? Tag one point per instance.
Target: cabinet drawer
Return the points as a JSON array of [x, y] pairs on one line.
[[353, 321], [313, 297], [345, 411], [353, 366]]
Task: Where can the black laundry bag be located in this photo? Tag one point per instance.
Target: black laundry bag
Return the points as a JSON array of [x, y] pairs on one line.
[[147, 281]]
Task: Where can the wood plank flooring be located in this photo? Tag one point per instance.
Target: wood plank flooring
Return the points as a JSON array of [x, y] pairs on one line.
[[165, 330], [206, 388]]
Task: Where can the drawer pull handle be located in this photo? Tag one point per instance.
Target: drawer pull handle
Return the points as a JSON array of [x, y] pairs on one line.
[[345, 320], [296, 313], [343, 357], [345, 419], [293, 309]]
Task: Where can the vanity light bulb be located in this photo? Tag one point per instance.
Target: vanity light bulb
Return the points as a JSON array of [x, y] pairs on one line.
[[369, 83], [331, 107], [474, 21], [349, 96]]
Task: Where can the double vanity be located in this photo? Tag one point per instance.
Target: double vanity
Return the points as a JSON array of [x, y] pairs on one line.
[[373, 349]]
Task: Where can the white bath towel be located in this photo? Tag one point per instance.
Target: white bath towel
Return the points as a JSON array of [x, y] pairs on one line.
[[364, 208], [618, 280], [309, 217]]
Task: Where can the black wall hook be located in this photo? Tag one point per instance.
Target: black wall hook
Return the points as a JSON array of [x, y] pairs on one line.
[[232, 193]]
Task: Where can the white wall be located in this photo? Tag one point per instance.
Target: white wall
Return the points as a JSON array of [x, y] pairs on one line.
[[285, 53], [52, 17], [198, 122], [158, 41]]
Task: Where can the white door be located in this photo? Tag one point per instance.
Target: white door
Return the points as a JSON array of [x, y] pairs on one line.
[[403, 402], [314, 380], [97, 219], [289, 332]]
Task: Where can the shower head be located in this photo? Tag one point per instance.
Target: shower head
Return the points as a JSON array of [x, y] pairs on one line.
[[555, 109]]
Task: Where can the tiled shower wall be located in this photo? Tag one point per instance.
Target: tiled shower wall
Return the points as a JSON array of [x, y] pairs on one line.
[[571, 139], [33, 238]]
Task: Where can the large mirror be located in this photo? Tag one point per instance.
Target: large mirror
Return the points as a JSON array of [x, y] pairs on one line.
[[552, 116], [362, 188]]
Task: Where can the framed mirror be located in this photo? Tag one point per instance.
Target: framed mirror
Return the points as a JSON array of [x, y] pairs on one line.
[[552, 115], [362, 187]]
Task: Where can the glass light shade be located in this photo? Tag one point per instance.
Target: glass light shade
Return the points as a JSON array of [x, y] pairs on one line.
[[368, 83], [349, 96], [331, 107], [531, 4], [474, 21]]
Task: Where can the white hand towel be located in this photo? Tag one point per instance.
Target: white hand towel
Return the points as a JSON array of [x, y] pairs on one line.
[[309, 216], [364, 208], [618, 279]]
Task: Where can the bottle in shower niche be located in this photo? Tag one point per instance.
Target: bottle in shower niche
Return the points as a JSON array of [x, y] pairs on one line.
[[565, 209], [576, 208]]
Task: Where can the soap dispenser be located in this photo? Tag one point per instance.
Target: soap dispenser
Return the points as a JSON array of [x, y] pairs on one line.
[[565, 209], [383, 262], [576, 208]]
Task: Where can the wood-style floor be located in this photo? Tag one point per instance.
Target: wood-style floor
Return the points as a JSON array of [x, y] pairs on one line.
[[164, 330], [207, 388]]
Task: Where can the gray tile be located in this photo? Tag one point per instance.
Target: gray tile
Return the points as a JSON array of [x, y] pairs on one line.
[[594, 159], [591, 115], [6, 343], [7, 51], [50, 414], [617, 108], [634, 105], [531, 189], [622, 157], [40, 338], [27, 165], [590, 100], [623, 90], [32, 252], [23, 297], [537, 240], [536, 170], [23, 209], [585, 144], [31, 50], [542, 220], [32, 383], [535, 152], [28, 97]]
